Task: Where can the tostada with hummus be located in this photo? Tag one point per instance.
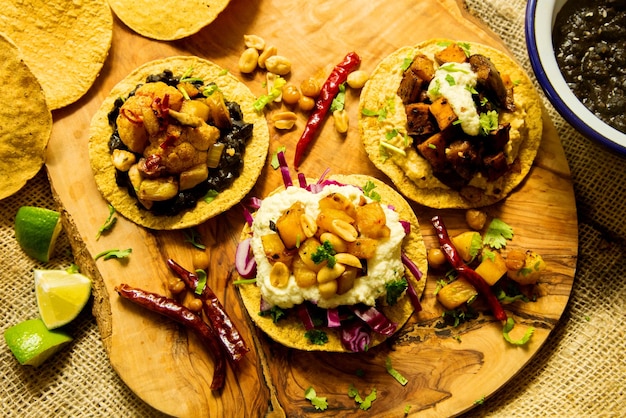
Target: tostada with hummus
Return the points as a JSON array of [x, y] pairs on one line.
[[453, 124], [335, 265], [176, 143]]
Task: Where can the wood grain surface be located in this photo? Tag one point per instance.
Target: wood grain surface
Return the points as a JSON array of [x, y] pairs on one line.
[[448, 369]]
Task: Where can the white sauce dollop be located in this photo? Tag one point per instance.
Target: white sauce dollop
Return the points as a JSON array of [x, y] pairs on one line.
[[385, 266]]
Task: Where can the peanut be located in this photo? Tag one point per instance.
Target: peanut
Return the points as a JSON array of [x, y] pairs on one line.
[[254, 41], [344, 230], [248, 60], [341, 120], [306, 103], [357, 79], [267, 52], [327, 274], [475, 219], [291, 94], [337, 243], [279, 275], [308, 224], [347, 259], [435, 257], [284, 120], [278, 64]]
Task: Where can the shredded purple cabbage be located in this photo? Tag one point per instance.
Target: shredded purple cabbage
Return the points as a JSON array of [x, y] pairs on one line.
[[356, 337], [284, 169], [375, 319], [332, 318], [302, 180], [305, 316], [406, 225], [415, 271]]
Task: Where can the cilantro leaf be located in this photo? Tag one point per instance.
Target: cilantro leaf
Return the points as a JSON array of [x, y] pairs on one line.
[[316, 336], [394, 373], [340, 99], [192, 236], [488, 122], [497, 233], [108, 224], [318, 402], [395, 289], [275, 312], [324, 252], [368, 190], [364, 404], [108, 254]]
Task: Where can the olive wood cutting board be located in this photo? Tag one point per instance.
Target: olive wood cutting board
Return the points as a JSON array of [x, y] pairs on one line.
[[448, 369]]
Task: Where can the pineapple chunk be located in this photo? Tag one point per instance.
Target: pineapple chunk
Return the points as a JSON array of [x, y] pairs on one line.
[[289, 227], [468, 244], [454, 294], [492, 267]]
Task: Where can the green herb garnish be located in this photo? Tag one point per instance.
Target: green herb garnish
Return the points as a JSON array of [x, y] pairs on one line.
[[318, 402], [201, 281], [364, 404], [394, 373], [108, 224], [488, 122], [210, 195], [274, 163], [395, 289], [192, 236], [316, 336], [108, 254], [497, 233], [275, 313], [510, 323], [325, 252], [340, 99], [368, 190]]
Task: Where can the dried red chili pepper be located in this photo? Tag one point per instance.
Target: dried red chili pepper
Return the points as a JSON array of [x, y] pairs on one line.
[[470, 274], [177, 312], [327, 93], [220, 321]]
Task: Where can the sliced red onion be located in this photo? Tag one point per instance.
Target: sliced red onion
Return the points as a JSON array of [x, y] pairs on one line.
[[254, 202], [247, 215], [415, 271], [305, 316], [406, 225], [244, 261], [302, 180], [284, 169], [265, 305], [375, 319], [356, 337], [332, 318]]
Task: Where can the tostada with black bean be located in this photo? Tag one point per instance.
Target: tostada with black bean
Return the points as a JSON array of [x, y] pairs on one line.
[[453, 124], [176, 143]]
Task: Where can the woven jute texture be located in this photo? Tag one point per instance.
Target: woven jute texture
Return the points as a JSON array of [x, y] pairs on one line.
[[580, 370]]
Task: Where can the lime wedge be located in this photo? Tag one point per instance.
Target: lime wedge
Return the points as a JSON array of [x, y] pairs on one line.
[[32, 343], [36, 230], [60, 295]]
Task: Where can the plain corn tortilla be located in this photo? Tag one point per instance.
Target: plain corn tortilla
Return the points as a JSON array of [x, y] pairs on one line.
[[167, 20], [289, 331], [254, 155], [25, 121], [412, 175], [65, 43]]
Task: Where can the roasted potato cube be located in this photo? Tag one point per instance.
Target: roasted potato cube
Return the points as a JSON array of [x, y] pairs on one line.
[[275, 250], [123, 160], [451, 53], [306, 251], [339, 202], [371, 221], [362, 247], [192, 177], [492, 267], [468, 244], [454, 294], [443, 113], [289, 228], [159, 189], [304, 276], [328, 215], [532, 270]]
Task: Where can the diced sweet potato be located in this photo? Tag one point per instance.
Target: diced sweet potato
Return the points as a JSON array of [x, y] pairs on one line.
[[328, 215], [371, 221], [362, 248], [492, 268], [443, 113], [451, 53], [339, 202], [419, 121], [454, 294], [275, 249], [410, 87], [288, 226], [434, 150], [423, 67]]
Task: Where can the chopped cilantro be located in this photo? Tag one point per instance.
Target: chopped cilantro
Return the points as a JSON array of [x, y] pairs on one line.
[[465, 46], [406, 410], [108, 224], [274, 163], [192, 236], [488, 122], [480, 401], [316, 336], [340, 99], [364, 404], [275, 312], [434, 88], [210, 89], [406, 63], [389, 135], [395, 289], [432, 146], [451, 67], [108, 254], [510, 323], [497, 233], [201, 281], [394, 373], [210, 195], [72, 269], [325, 252], [318, 402], [451, 81], [368, 190], [471, 89], [488, 255], [476, 245]]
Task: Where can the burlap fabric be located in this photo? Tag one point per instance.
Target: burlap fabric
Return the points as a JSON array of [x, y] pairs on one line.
[[580, 371]]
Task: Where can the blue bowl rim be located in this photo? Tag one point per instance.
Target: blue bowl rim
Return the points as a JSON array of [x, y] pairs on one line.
[[542, 61]]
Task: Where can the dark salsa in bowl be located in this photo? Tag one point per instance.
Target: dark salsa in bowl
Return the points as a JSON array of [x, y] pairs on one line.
[[589, 39], [192, 147]]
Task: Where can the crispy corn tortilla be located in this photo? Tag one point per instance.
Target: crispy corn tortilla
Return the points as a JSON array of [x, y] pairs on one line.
[[290, 332], [413, 175], [254, 155], [65, 43], [25, 121], [167, 20]]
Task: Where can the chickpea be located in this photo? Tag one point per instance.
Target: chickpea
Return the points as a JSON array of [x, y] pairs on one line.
[[291, 94], [306, 103], [194, 305], [176, 286], [436, 258], [200, 260], [310, 87], [475, 219]]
